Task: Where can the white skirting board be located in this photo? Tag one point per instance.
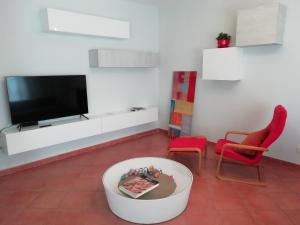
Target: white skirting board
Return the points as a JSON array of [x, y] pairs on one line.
[[33, 138], [78, 23]]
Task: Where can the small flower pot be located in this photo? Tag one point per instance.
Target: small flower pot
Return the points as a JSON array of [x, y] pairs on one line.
[[223, 43]]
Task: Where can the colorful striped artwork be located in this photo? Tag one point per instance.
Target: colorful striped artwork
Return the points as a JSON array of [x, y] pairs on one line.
[[182, 103]]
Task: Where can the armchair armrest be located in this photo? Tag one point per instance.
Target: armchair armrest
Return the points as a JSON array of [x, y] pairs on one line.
[[244, 147], [235, 132]]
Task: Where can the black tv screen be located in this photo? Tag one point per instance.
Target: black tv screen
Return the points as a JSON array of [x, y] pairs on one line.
[[35, 98]]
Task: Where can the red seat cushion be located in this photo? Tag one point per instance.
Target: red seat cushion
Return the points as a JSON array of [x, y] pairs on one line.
[[253, 139], [230, 152], [183, 143]]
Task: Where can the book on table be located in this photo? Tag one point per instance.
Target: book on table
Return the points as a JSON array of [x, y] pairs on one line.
[[138, 186]]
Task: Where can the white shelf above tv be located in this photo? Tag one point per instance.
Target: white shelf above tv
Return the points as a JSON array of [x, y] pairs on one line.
[[78, 23], [32, 138], [122, 58]]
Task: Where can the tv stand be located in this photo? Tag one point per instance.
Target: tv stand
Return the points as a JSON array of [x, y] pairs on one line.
[[27, 124], [72, 129], [82, 115]]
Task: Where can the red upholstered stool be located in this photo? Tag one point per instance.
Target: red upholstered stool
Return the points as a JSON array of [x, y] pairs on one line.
[[189, 144]]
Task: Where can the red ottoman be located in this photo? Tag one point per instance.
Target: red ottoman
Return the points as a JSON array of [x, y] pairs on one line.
[[189, 144]]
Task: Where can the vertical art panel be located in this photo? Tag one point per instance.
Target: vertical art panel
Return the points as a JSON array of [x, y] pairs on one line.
[[182, 103]]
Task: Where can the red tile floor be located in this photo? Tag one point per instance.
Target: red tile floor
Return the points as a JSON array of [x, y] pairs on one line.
[[70, 192]]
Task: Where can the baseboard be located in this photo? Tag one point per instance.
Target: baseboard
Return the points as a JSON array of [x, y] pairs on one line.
[[282, 162], [77, 152]]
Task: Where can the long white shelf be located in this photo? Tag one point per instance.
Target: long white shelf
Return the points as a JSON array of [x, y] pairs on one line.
[[122, 58], [78, 23], [32, 138]]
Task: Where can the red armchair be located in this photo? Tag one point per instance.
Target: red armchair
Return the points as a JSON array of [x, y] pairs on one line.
[[250, 151]]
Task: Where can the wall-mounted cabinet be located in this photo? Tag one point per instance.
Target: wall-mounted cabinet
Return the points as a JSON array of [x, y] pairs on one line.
[[32, 138], [222, 64], [77, 23], [261, 25], [122, 58]]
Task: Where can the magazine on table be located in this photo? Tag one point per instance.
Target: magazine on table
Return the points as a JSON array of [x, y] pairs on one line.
[[138, 186]]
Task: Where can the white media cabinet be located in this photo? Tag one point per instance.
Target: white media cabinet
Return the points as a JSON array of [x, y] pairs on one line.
[[31, 138]]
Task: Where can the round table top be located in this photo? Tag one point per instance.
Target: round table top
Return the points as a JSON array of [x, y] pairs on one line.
[[166, 187]]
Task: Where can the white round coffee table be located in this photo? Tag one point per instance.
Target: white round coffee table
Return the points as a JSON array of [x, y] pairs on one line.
[[148, 211]]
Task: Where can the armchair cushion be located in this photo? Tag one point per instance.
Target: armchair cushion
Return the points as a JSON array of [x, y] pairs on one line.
[[230, 152], [253, 139]]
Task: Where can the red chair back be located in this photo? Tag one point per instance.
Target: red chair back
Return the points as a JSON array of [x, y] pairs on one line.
[[274, 129], [276, 126]]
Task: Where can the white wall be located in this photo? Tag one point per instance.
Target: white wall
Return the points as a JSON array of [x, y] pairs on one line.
[[26, 49], [272, 72]]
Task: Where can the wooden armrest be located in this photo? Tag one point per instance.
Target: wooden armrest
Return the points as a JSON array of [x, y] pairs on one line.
[[235, 132], [244, 147]]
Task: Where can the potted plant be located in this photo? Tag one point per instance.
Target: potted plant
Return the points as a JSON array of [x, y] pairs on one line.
[[223, 40]]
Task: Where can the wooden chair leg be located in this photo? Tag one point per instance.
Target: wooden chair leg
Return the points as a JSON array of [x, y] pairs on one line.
[[199, 162], [219, 167], [259, 173], [219, 176]]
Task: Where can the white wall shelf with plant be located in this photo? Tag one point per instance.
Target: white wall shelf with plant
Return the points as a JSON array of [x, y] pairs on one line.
[[222, 64]]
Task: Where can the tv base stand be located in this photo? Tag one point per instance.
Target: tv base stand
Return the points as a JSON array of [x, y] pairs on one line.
[[27, 124], [72, 129], [81, 115]]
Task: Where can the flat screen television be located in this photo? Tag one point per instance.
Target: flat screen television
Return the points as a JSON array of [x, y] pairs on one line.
[[35, 98]]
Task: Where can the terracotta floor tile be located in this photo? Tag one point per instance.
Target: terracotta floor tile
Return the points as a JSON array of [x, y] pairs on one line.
[[293, 185], [124, 222], [287, 201], [18, 199], [271, 217], [203, 216], [60, 183], [228, 202], [73, 171], [294, 216], [34, 217], [87, 184], [7, 215], [99, 218], [70, 192], [259, 201], [197, 202], [84, 201], [48, 200], [240, 217], [93, 171], [179, 220], [68, 218]]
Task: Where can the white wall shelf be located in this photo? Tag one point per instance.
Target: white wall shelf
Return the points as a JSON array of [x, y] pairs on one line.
[[32, 138], [222, 64], [122, 58], [77, 23], [261, 25]]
